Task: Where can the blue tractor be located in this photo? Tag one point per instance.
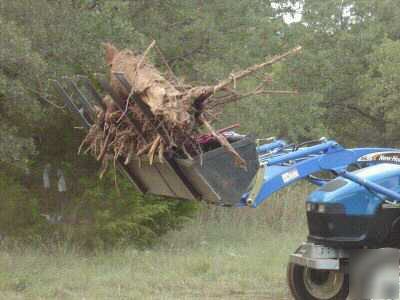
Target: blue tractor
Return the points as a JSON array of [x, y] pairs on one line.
[[356, 206]]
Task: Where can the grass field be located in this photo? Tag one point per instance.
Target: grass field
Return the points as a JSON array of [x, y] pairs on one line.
[[222, 254]]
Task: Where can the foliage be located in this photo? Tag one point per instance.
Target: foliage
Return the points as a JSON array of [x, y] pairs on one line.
[[339, 38], [19, 211], [109, 216], [17, 63], [44, 40], [381, 90], [347, 79]]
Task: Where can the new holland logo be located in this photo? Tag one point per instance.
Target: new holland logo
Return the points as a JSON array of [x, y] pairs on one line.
[[392, 157]]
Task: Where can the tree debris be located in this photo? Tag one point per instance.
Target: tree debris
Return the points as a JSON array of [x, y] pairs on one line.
[[179, 112]]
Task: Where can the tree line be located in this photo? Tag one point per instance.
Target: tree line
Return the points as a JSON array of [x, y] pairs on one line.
[[347, 78]]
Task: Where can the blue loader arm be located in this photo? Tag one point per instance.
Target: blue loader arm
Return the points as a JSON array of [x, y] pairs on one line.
[[283, 170]]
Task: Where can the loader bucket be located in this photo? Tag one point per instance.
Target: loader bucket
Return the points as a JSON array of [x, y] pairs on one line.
[[218, 178], [212, 177]]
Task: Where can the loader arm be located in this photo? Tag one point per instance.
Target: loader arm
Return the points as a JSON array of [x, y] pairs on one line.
[[281, 164], [283, 169]]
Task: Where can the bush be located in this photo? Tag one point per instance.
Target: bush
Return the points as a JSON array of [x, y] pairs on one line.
[[19, 210], [100, 216], [106, 215]]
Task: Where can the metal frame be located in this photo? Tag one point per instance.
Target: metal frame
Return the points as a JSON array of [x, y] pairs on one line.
[[85, 110], [284, 167], [78, 103], [319, 257]]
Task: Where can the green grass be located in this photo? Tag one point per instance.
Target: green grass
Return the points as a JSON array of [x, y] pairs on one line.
[[222, 254]]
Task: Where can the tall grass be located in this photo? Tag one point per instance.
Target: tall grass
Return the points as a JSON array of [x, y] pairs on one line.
[[223, 253], [283, 213]]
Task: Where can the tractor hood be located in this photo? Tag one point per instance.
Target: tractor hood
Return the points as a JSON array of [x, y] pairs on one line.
[[351, 197]]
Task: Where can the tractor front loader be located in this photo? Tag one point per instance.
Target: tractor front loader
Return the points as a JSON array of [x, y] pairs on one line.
[[356, 207]]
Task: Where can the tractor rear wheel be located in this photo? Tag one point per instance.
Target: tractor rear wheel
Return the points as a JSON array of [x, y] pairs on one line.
[[310, 284]]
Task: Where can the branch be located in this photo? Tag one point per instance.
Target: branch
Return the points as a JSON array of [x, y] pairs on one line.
[[225, 143], [231, 98], [171, 73], [357, 110], [241, 74], [202, 93], [153, 43]]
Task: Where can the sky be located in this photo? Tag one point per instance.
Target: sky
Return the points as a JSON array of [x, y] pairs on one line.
[[292, 18]]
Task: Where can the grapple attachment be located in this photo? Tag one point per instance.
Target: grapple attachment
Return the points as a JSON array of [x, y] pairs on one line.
[[212, 176]]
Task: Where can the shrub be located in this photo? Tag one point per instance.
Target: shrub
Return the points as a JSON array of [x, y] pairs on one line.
[[19, 210], [101, 216], [105, 216]]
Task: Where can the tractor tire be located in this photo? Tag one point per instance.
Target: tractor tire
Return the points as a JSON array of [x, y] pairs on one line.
[[310, 284]]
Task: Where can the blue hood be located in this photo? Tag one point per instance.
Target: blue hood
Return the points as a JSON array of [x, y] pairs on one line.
[[355, 198]]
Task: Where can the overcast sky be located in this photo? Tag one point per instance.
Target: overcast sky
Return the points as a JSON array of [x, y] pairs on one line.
[[292, 18]]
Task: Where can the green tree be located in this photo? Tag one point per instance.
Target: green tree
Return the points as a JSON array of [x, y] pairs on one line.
[[204, 41], [338, 39], [44, 40], [17, 66], [381, 92]]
